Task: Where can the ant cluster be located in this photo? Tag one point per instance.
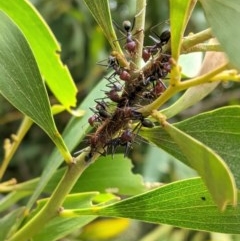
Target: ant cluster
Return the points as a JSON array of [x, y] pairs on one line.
[[128, 89]]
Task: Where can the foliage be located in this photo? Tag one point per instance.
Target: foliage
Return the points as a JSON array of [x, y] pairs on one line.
[[91, 185]]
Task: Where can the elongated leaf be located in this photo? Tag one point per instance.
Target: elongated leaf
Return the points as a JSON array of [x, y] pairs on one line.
[[45, 48], [21, 83], [101, 12], [73, 134], [7, 222], [59, 226], [12, 198], [222, 16], [208, 164], [218, 129], [107, 175], [179, 14], [184, 203]]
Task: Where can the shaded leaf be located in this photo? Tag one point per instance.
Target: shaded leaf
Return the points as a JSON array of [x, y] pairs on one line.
[[208, 164], [105, 175], [12, 198], [7, 222], [74, 132], [108, 175], [45, 51], [61, 226], [21, 83], [222, 16], [218, 129], [186, 204], [101, 12]]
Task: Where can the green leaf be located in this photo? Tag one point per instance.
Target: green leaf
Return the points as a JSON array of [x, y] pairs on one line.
[[185, 203], [21, 83], [74, 132], [222, 16], [179, 14], [61, 226], [7, 222], [101, 12], [12, 198], [219, 130], [106, 175], [208, 164], [45, 51]]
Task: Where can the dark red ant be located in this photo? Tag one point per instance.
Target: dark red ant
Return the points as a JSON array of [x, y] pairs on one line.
[[94, 119], [125, 139], [114, 84], [113, 94], [114, 63], [157, 89], [130, 45], [101, 113]]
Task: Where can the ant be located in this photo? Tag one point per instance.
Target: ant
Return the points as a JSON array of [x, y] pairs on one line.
[[120, 65], [100, 113], [131, 44], [159, 40], [125, 139]]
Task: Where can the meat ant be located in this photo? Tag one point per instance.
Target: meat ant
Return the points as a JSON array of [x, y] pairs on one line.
[[120, 65], [159, 40], [125, 139], [100, 114], [130, 44]]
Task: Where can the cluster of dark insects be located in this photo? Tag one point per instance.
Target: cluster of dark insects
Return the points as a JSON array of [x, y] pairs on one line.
[[128, 89]]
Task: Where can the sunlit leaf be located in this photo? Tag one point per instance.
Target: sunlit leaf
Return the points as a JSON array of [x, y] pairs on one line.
[[179, 15], [223, 17], [99, 229], [184, 203], [45, 48]]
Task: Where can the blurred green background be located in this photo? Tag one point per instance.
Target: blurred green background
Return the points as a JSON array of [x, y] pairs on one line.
[[83, 45]]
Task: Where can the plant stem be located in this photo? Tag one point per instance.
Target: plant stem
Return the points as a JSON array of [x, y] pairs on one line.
[[139, 29], [180, 86], [204, 48], [194, 39], [51, 209], [206, 78], [9, 151]]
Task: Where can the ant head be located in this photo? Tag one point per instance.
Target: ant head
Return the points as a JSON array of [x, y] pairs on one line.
[[112, 61], [127, 25], [165, 36]]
